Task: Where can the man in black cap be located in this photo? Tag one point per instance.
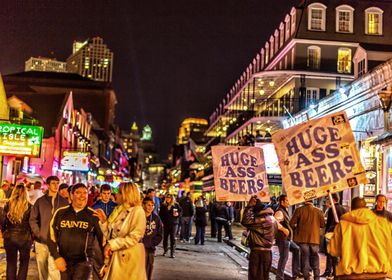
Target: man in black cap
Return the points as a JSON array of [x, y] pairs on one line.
[[72, 232]]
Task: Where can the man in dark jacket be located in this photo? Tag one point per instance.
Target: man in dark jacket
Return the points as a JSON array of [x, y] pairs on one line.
[[153, 235], [222, 220], [330, 227], [379, 209], [40, 217], [285, 243], [105, 203], [262, 228], [187, 216], [306, 223], [71, 236]]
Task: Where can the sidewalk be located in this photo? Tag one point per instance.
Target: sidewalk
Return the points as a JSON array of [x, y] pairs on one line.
[[237, 230]]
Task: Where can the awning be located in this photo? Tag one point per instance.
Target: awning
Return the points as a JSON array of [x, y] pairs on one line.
[[382, 138]]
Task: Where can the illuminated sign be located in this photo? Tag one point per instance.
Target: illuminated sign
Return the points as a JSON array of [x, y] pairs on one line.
[[271, 158], [76, 161], [23, 140]]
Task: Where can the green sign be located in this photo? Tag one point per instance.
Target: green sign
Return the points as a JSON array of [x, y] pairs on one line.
[[20, 140]]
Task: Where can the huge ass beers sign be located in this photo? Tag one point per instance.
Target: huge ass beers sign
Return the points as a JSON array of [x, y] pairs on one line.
[[318, 156], [239, 173]]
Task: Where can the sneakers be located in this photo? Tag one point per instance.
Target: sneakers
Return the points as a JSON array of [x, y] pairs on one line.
[[164, 253], [172, 255]]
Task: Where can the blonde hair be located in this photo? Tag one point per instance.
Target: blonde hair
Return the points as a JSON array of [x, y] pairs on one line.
[[18, 204], [172, 202], [130, 194]]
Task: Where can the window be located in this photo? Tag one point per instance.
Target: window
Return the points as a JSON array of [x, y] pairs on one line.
[[361, 67], [276, 35], [373, 21], [287, 25], [312, 95], [266, 53], [281, 34], [314, 57], [345, 19], [271, 47], [316, 17], [293, 19], [344, 60]]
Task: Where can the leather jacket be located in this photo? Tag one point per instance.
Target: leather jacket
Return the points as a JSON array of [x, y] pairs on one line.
[[262, 228], [19, 231]]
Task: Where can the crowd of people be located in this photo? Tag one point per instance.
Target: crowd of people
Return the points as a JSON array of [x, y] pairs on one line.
[[359, 242], [91, 233], [79, 232]]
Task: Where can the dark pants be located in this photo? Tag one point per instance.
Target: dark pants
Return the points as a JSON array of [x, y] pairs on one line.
[[226, 225], [149, 263], [12, 247], [259, 265], [186, 228], [285, 246], [200, 234], [310, 260], [79, 270], [331, 265], [213, 228], [169, 230], [97, 260]]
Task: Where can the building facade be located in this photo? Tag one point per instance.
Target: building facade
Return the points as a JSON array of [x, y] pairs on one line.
[[45, 64], [319, 48], [91, 59], [80, 141]]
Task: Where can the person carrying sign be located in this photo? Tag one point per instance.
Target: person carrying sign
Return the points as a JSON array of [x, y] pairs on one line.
[[262, 226], [306, 223], [330, 269], [285, 242]]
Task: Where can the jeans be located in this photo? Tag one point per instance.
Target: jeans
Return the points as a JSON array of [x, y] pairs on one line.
[[186, 228], [284, 247], [12, 247], [310, 260], [259, 265], [79, 270], [200, 234], [226, 225], [213, 228], [149, 263], [46, 268], [169, 230]]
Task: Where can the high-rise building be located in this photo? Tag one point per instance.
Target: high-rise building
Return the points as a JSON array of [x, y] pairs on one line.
[[192, 128], [45, 64], [91, 59]]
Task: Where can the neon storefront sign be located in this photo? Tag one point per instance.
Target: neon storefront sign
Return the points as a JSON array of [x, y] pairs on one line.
[[20, 140]]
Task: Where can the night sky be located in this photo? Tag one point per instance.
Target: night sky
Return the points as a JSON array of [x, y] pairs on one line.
[[172, 58]]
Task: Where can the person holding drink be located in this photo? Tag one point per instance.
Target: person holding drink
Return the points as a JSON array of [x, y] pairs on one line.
[[170, 214]]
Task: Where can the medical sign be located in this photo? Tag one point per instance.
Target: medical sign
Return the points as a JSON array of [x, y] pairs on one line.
[[318, 156], [75, 161], [239, 173], [20, 140]]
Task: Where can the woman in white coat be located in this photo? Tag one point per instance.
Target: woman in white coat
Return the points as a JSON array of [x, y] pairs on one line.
[[124, 230]]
